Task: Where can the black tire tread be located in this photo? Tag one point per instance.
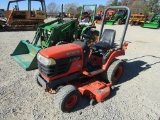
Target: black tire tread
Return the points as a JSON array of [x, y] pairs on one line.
[[119, 23], [61, 95], [111, 69], [36, 73], [35, 76], [104, 74]]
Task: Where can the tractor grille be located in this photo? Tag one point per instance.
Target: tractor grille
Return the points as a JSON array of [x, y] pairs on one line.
[[62, 66]]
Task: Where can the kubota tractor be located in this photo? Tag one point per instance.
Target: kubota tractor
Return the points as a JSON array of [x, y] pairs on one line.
[[69, 70]]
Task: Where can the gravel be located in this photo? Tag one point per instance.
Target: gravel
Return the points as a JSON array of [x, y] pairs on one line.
[[136, 97]]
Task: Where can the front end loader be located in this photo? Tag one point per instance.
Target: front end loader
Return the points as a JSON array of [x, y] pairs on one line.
[[153, 23], [48, 34]]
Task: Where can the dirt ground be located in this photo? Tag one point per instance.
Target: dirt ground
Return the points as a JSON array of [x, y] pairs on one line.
[[136, 97]]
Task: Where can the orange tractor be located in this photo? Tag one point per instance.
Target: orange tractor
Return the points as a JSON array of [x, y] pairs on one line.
[[99, 16], [69, 70]]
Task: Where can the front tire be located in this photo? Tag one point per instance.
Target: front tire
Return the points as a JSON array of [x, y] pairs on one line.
[[36, 74], [67, 98]]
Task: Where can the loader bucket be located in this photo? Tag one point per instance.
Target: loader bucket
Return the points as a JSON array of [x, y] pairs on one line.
[[150, 25], [110, 22], [25, 55]]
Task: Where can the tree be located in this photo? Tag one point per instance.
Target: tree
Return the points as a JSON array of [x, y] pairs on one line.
[[137, 6], [100, 8], [79, 9], [70, 8], [112, 3], [154, 6], [52, 8], [126, 2]]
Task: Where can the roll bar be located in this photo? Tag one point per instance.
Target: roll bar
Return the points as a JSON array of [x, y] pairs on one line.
[[126, 24]]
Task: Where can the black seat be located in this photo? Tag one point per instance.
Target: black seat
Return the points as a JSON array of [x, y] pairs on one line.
[[106, 42]]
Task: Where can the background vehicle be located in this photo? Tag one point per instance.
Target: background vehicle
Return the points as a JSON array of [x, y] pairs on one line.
[[153, 23], [20, 19], [119, 17], [92, 15], [60, 14], [137, 19], [99, 17], [2, 13]]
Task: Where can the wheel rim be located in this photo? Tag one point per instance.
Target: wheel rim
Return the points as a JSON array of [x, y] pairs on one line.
[[118, 73], [71, 101]]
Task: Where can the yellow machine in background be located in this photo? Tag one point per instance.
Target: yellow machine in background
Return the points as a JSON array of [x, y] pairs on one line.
[[24, 19]]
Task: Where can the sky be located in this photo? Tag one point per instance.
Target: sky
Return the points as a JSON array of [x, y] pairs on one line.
[[3, 3]]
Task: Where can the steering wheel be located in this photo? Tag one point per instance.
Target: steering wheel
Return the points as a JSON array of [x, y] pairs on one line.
[[88, 39]]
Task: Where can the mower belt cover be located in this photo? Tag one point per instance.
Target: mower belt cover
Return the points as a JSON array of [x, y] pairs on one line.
[[94, 89], [25, 55], [151, 25], [110, 22]]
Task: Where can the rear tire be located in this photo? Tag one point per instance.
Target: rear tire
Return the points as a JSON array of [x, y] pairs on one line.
[[115, 71], [132, 23], [67, 98], [119, 21]]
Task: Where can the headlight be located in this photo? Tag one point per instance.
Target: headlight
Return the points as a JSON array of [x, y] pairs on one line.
[[45, 61]]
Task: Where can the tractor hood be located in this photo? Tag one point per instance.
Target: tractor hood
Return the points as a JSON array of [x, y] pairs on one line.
[[62, 51]]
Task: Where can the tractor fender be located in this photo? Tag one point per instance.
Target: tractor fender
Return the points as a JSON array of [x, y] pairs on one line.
[[111, 58]]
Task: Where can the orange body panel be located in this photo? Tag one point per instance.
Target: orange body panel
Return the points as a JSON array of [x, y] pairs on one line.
[[62, 51], [115, 54], [94, 89], [108, 15]]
